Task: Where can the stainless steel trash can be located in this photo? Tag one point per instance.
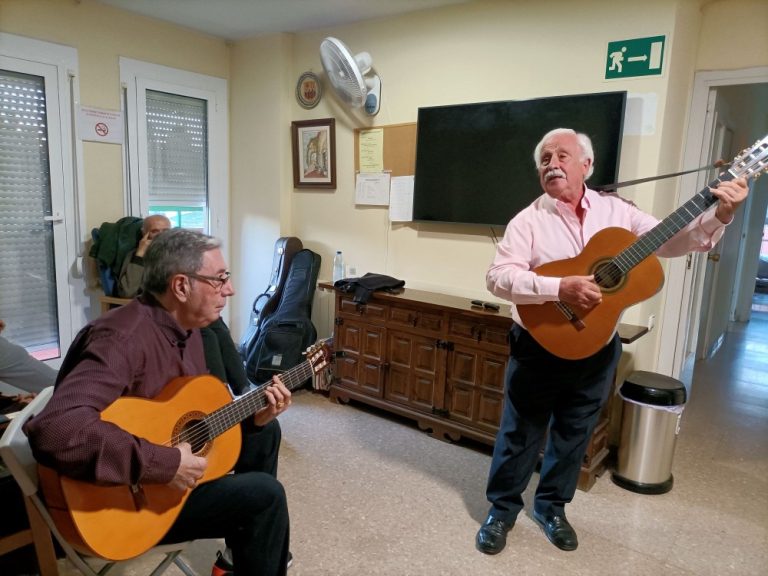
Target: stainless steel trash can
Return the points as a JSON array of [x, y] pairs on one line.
[[653, 405]]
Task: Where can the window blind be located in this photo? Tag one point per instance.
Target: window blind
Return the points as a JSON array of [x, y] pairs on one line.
[[177, 146], [27, 270]]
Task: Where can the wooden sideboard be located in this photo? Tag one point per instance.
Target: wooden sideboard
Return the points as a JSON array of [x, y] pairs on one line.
[[437, 360]]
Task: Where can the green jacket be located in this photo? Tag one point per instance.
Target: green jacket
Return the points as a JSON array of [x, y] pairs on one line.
[[112, 241]]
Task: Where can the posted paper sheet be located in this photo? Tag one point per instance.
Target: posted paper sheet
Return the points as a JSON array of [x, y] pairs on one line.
[[401, 199], [372, 189]]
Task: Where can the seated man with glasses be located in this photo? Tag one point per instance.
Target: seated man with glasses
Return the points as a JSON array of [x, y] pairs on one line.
[[221, 355], [137, 350]]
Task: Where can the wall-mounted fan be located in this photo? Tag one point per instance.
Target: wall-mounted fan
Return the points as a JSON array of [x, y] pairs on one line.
[[352, 76]]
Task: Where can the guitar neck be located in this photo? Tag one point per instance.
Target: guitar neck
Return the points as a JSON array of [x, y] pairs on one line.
[[242, 407], [652, 240]]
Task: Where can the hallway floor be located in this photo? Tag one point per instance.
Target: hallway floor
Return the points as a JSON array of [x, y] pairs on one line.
[[371, 495]]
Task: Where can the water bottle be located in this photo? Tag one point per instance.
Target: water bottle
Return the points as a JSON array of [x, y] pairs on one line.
[[338, 266]]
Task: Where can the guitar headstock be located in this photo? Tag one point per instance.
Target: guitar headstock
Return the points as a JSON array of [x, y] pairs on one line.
[[751, 162], [320, 356]]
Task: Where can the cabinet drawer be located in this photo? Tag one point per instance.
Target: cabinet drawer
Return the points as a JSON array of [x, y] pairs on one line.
[[497, 334], [416, 319], [491, 334], [370, 312]]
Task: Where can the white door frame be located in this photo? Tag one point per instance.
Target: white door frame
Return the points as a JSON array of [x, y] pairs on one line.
[[677, 312], [58, 64]]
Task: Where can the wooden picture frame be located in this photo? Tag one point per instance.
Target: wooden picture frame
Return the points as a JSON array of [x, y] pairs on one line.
[[314, 153]]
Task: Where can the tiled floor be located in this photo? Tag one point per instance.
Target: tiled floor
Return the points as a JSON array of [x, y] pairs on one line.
[[370, 495]]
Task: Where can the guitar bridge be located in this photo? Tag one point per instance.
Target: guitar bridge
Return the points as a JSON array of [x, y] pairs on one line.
[[570, 316], [139, 498]]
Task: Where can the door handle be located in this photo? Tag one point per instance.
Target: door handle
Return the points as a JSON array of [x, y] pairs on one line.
[[56, 218]]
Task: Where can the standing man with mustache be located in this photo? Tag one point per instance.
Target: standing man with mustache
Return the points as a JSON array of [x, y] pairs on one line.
[[544, 394]]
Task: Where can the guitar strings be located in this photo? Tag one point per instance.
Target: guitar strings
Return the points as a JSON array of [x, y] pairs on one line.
[[223, 418], [748, 164], [649, 242], [653, 239]]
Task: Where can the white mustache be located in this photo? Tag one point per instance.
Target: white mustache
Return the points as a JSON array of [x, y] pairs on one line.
[[554, 173]]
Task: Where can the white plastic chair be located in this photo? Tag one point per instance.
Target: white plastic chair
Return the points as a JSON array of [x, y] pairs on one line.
[[17, 457]]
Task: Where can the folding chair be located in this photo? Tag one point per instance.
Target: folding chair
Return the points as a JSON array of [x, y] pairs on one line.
[[17, 457]]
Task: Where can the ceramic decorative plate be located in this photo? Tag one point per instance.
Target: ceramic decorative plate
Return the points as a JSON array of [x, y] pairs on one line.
[[308, 90]]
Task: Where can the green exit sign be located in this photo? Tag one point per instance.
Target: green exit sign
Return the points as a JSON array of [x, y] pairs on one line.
[[635, 57]]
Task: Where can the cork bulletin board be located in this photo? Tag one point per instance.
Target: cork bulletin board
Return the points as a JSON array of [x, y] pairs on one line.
[[399, 148]]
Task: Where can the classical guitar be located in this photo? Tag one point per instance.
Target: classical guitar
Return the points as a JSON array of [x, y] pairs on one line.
[[118, 522], [625, 268]]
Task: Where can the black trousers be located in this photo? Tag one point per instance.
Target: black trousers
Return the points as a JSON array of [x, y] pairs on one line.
[[546, 393], [247, 508]]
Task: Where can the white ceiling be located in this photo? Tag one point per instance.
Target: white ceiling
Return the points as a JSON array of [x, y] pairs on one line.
[[236, 19]]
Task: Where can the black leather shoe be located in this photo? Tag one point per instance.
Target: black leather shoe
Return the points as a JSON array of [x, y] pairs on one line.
[[492, 536], [558, 530]]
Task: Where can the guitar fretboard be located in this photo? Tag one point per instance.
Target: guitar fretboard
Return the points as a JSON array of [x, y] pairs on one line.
[[248, 404], [748, 164], [652, 240]]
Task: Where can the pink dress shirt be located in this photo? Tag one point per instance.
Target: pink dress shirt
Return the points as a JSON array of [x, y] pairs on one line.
[[549, 230]]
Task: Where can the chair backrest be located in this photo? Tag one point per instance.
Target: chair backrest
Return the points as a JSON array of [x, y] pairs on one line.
[[17, 457], [14, 446]]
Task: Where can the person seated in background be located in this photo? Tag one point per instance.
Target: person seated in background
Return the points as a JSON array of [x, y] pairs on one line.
[[21, 371], [136, 350], [132, 268]]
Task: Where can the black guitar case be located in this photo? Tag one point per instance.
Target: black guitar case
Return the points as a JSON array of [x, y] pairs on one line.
[[266, 302], [287, 332]]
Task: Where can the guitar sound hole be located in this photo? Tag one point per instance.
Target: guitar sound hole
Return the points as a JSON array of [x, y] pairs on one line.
[[193, 429], [608, 276]]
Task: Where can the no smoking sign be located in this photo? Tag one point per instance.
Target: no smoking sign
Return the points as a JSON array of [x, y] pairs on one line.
[[99, 125]]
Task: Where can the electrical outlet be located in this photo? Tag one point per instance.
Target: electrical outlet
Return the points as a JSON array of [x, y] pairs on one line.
[[651, 321], [351, 271]]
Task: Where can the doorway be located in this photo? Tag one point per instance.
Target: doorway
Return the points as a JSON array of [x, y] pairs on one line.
[[730, 293]]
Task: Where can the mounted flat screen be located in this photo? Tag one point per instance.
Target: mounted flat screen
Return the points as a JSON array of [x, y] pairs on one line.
[[474, 162]]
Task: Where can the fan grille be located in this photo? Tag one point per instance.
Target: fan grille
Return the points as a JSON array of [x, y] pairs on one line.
[[343, 73]]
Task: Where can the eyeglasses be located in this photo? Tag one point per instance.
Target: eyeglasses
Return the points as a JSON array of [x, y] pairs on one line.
[[216, 282]]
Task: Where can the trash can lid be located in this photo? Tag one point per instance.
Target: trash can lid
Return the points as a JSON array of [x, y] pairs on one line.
[[652, 388]]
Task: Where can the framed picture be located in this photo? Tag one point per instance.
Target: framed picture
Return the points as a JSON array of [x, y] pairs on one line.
[[314, 153]]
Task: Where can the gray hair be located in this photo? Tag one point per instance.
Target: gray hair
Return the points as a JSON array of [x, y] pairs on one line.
[[174, 251], [584, 143]]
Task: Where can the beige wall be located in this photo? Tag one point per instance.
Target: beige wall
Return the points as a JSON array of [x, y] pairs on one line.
[[733, 35], [261, 175], [495, 50], [101, 34], [482, 51]]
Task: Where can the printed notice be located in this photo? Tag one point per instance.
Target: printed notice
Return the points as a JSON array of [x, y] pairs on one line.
[[371, 150], [372, 189], [99, 125], [401, 199]]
